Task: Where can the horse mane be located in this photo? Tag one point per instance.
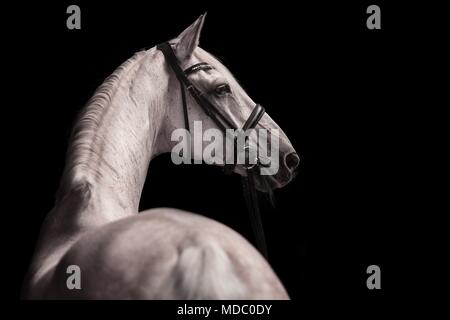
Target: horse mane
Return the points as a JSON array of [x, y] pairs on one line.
[[90, 117]]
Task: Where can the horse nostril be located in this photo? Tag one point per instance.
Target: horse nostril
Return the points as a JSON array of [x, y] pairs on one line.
[[292, 161]]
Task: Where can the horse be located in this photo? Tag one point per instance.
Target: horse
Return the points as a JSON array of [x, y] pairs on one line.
[[161, 253]]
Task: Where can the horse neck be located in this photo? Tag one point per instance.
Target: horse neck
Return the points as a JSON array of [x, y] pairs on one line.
[[117, 135]]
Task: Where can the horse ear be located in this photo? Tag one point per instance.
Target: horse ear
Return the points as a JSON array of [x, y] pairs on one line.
[[188, 40]]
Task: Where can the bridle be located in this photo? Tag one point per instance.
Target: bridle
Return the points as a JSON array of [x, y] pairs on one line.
[[248, 181]]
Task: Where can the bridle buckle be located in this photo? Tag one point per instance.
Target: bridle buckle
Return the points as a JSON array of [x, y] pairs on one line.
[[247, 164]]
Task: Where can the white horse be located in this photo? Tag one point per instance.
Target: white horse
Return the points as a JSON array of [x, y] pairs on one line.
[[160, 253]]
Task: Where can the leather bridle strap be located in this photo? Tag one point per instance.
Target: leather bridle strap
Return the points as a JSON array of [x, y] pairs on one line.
[[207, 106], [256, 115], [248, 181], [185, 110], [196, 67]]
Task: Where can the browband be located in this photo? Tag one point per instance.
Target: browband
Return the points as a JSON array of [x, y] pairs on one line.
[[197, 67]]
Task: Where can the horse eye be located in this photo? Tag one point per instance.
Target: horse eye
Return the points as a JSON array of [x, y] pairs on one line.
[[223, 89]]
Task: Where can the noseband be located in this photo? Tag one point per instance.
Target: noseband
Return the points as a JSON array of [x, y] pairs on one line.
[[223, 123]]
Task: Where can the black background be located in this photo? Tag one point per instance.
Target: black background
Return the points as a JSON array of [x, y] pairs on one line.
[[337, 89]]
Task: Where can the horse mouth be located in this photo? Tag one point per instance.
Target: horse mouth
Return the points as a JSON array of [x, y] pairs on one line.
[[266, 183]]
